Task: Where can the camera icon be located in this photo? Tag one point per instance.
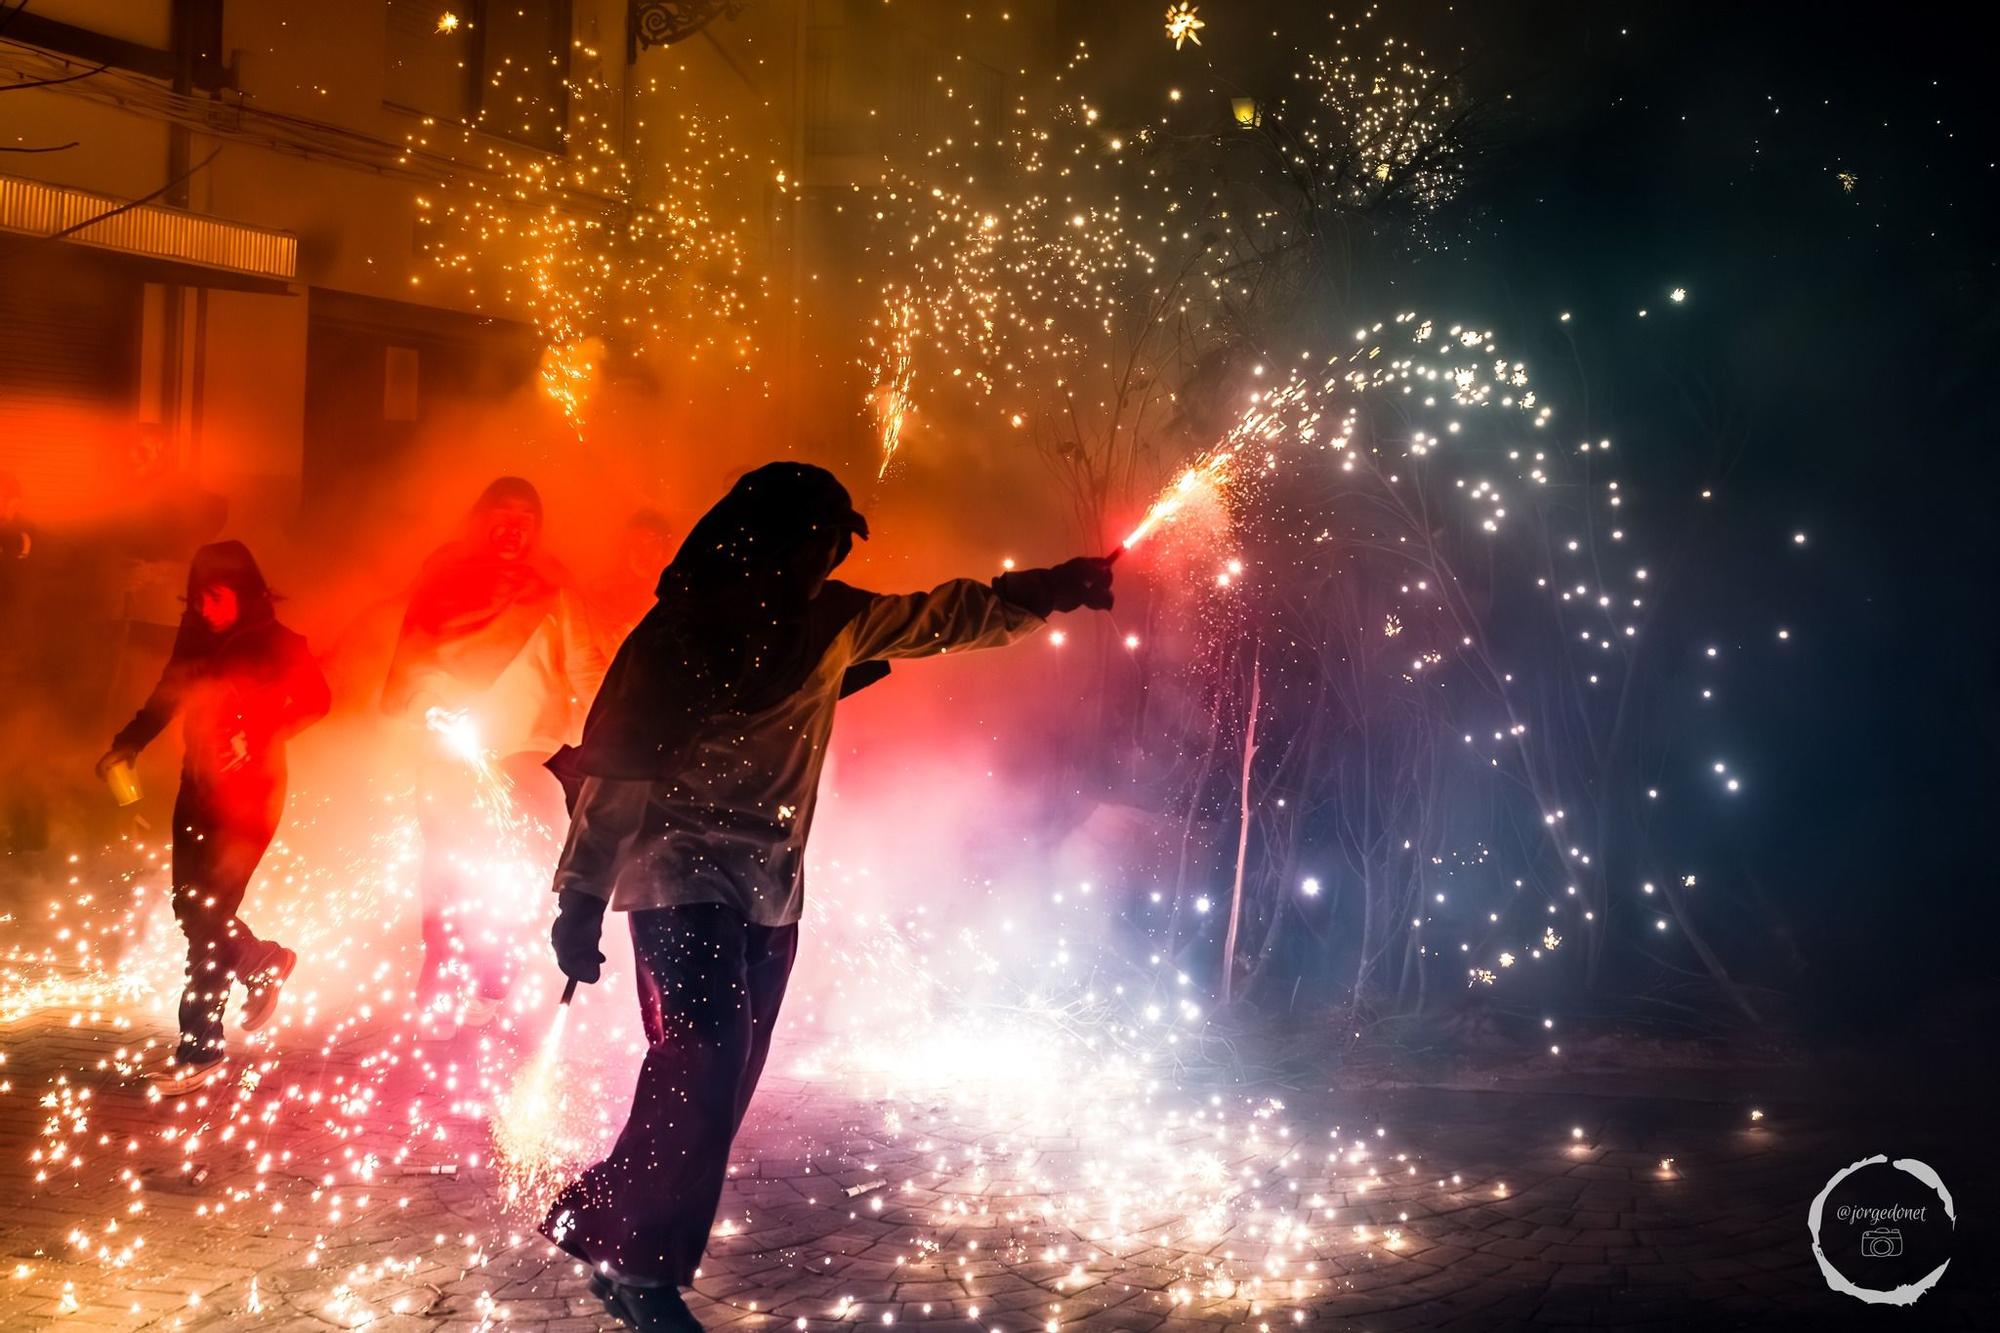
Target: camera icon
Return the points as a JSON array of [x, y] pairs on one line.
[[1882, 1243]]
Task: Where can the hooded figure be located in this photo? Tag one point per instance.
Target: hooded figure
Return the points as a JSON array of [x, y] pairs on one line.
[[242, 685], [497, 639], [692, 793]]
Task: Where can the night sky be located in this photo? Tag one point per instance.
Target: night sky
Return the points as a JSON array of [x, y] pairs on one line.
[[1847, 335]]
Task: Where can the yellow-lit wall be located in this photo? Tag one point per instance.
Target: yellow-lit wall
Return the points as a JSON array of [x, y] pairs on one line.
[[241, 416]]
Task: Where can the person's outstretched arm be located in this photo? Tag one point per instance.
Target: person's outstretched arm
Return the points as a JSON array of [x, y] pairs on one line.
[[965, 613]]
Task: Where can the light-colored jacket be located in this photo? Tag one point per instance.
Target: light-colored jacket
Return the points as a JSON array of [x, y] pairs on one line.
[[731, 828], [532, 704]]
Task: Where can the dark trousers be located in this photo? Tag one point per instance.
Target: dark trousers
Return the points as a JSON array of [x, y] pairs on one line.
[[710, 984], [221, 831]]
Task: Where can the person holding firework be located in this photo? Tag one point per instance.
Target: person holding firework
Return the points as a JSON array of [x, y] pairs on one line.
[[242, 685], [692, 794], [496, 656]]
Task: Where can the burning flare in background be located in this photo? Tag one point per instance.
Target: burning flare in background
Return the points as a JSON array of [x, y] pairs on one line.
[[569, 373]]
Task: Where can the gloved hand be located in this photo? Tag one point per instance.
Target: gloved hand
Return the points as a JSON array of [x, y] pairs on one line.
[[114, 755], [579, 923], [1084, 581]]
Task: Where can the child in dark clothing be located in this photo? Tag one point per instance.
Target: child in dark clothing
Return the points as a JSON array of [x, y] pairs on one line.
[[242, 685]]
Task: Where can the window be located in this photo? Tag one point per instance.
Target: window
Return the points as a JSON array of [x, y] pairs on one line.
[[872, 83], [431, 71], [499, 65]]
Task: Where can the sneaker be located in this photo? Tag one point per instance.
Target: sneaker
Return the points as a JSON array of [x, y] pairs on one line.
[[647, 1309], [270, 979], [184, 1076]]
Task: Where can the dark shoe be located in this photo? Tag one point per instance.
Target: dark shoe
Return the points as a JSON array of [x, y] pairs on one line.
[[607, 1295], [183, 1076], [647, 1309], [265, 983]]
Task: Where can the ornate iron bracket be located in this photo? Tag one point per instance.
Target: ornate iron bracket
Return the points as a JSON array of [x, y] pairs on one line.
[[664, 22]]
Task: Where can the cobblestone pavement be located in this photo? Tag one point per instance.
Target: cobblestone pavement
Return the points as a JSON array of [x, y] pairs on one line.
[[1469, 1209]]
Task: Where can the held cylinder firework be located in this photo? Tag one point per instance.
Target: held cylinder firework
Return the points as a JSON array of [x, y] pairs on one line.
[[124, 782], [569, 991]]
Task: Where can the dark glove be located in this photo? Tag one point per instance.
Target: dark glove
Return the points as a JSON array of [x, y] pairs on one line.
[[579, 922], [1084, 581]]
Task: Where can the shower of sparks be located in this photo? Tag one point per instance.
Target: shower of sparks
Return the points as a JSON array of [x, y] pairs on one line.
[[1184, 23], [1392, 118], [1212, 473], [1062, 305], [544, 1127], [1270, 417], [568, 373], [894, 370], [447, 22], [585, 247], [1063, 270], [1024, 1041], [459, 734]]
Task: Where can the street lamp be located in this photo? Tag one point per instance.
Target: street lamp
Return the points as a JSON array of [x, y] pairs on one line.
[[664, 22]]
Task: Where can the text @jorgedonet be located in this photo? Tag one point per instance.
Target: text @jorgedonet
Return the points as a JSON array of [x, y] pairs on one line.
[[1848, 1212]]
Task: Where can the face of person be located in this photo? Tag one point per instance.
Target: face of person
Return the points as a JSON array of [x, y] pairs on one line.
[[147, 450], [217, 606], [645, 552], [510, 529]]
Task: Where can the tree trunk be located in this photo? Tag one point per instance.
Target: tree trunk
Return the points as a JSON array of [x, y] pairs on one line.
[[1242, 833]]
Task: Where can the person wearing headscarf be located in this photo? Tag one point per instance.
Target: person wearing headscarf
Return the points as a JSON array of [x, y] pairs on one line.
[[692, 795], [496, 653], [242, 685]]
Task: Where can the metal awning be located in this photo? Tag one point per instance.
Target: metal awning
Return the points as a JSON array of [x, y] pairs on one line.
[[170, 236]]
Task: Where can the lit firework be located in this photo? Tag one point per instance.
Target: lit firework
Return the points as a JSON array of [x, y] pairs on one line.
[[1184, 24], [569, 373], [891, 395], [588, 251], [1085, 286], [1077, 306], [544, 1124]]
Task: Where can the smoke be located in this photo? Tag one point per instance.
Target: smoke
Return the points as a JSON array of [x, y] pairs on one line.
[[938, 817]]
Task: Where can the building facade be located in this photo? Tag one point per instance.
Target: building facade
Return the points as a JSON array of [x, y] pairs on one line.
[[210, 210]]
